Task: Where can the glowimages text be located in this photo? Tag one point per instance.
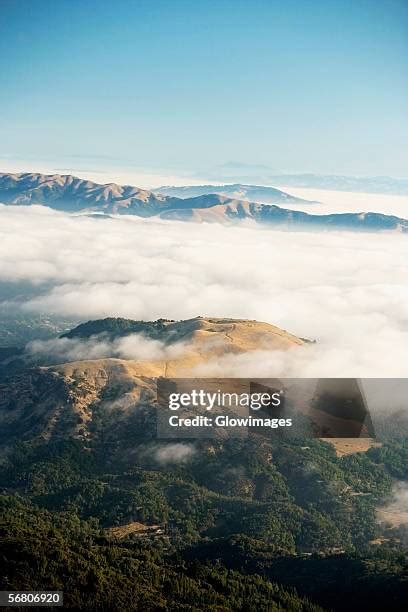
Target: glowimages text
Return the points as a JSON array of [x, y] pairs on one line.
[[222, 420]]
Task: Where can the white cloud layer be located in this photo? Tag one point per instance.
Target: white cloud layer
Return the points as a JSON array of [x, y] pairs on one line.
[[348, 291], [133, 346], [347, 201]]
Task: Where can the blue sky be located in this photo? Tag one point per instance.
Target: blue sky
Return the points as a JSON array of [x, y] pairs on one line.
[[299, 86]]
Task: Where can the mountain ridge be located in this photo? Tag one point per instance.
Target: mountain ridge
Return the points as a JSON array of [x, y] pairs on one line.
[[74, 195]]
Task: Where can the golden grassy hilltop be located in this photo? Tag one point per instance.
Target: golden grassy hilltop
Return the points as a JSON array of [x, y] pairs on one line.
[[199, 340], [65, 399]]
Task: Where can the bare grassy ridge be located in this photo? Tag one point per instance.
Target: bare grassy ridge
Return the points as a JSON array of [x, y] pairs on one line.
[[349, 446]]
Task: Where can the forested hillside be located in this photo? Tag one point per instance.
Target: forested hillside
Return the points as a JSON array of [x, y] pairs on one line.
[[242, 524]]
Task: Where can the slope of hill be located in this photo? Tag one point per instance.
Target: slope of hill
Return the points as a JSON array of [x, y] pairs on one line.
[[234, 210], [64, 386], [231, 523], [66, 398], [71, 194]]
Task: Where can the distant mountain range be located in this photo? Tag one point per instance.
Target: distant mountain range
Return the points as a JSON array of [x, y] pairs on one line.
[[247, 193], [235, 210], [234, 172], [71, 194], [373, 184]]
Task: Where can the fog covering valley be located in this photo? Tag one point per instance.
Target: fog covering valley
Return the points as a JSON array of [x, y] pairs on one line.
[[347, 291]]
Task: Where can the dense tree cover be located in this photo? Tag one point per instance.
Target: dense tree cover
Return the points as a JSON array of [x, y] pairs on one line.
[[289, 511], [116, 326], [58, 551], [297, 498], [370, 579], [393, 454]]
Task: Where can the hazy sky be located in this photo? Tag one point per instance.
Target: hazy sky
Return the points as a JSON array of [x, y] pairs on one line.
[[318, 86]]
